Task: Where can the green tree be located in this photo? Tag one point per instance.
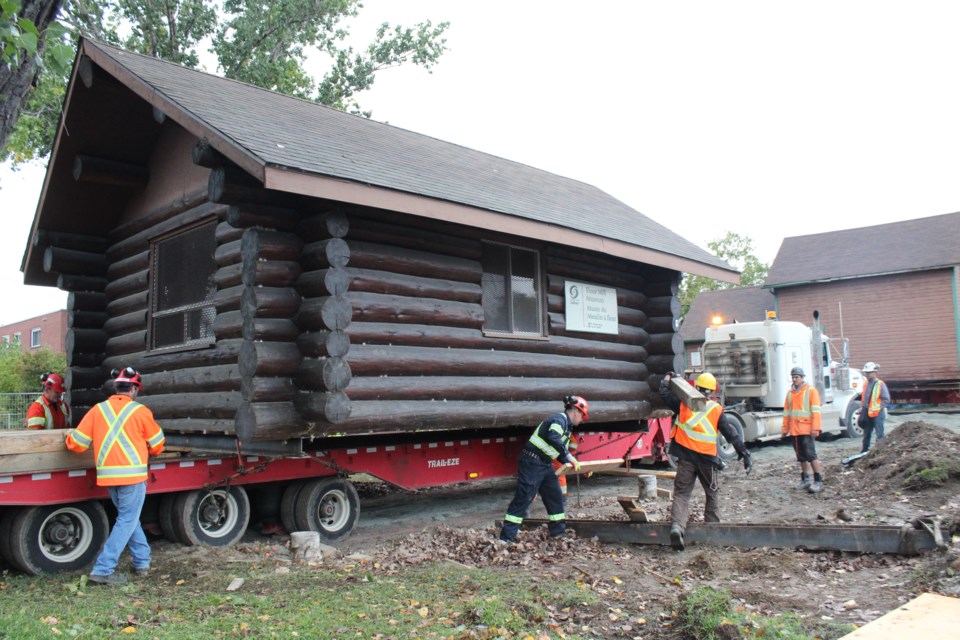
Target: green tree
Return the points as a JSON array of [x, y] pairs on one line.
[[738, 251], [266, 43], [20, 370]]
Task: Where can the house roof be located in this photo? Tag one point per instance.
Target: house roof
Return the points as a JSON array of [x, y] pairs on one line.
[[298, 146], [898, 247], [744, 304]]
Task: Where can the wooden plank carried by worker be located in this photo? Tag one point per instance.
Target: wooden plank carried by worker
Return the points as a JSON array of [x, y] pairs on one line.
[[590, 466], [32, 441], [928, 615], [640, 472], [687, 394]]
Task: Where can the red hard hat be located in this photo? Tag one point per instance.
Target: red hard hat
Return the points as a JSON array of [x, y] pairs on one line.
[[579, 403], [53, 381], [127, 375]]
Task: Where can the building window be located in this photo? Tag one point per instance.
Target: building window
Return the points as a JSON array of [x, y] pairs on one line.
[[6, 340], [182, 311], [34, 338], [512, 291], [16, 338]]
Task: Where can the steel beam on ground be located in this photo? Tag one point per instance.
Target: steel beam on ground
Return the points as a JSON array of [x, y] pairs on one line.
[[905, 540]]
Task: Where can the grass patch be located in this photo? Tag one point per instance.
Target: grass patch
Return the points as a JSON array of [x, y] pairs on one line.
[[931, 474], [709, 614], [439, 600]]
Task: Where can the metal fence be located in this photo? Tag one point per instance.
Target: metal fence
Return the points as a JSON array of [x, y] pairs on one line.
[[13, 409]]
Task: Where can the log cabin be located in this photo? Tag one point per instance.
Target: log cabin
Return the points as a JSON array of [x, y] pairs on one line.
[[279, 270]]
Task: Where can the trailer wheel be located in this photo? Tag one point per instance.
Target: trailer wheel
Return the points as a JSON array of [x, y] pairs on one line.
[[853, 412], [725, 450], [288, 505], [55, 538], [215, 518], [329, 506], [165, 517]]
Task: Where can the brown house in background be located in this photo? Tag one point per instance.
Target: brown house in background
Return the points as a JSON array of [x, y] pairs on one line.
[[48, 330], [891, 289], [742, 304], [278, 269]]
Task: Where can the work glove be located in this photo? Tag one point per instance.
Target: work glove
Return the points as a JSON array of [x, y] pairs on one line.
[[574, 463]]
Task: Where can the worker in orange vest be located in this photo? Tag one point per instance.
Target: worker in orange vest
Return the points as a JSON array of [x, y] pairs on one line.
[[50, 410], [801, 419], [123, 434], [694, 444], [873, 405]]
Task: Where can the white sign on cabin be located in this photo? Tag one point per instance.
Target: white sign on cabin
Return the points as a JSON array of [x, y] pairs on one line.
[[591, 308]]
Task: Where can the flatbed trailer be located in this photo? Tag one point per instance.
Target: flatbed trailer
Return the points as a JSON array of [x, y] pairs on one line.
[[57, 520]]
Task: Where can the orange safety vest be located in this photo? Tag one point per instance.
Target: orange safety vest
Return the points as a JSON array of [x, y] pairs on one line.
[[876, 402], [123, 434], [697, 430], [40, 415], [801, 411]]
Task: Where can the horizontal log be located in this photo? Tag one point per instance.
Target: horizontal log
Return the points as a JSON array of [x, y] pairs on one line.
[[226, 232], [150, 227], [133, 264], [268, 421], [373, 416], [78, 263], [259, 244], [590, 259], [332, 312], [232, 324], [171, 208], [86, 340], [112, 173], [323, 282], [663, 306], [484, 388], [331, 408], [318, 344], [204, 155], [665, 284], [229, 185], [573, 269], [221, 352], [75, 241], [372, 281], [404, 235], [374, 307], [133, 342], [323, 254], [213, 426], [84, 378], [81, 359], [217, 404], [87, 319], [224, 377], [269, 273], [128, 285], [369, 255], [228, 253], [260, 215], [128, 304], [457, 337], [662, 344], [259, 389], [84, 398], [626, 334], [625, 315], [228, 324], [330, 224], [87, 301], [269, 302], [268, 359], [323, 374], [665, 363], [375, 360], [228, 299], [228, 276], [69, 282], [556, 285], [126, 323], [662, 324]]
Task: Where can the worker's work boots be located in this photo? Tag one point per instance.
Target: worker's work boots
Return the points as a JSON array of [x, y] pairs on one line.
[[676, 538], [805, 483], [114, 579], [815, 487]]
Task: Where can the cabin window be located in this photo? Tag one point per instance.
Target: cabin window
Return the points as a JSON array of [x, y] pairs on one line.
[[182, 311], [512, 291]]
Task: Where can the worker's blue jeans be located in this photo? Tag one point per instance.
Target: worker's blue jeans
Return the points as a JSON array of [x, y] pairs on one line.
[[874, 425], [534, 476], [128, 499]]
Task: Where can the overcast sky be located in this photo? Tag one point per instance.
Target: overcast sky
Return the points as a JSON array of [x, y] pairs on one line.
[[770, 119]]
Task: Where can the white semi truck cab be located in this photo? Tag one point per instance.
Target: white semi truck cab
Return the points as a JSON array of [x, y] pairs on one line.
[[752, 363]]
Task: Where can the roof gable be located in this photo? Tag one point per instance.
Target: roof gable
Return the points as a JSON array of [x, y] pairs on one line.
[[897, 247], [743, 304]]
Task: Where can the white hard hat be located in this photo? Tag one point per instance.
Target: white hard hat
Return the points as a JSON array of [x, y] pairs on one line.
[[871, 366]]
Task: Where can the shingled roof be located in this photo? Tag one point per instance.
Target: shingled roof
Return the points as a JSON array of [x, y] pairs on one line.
[[743, 304], [898, 247], [299, 146]]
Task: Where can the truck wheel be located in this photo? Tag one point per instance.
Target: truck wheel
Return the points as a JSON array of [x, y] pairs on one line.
[[165, 517], [54, 538], [215, 518], [853, 412], [329, 506], [725, 450], [288, 505]]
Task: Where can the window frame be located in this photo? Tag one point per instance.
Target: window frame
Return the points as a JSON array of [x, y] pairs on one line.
[[540, 284], [154, 314], [35, 342]]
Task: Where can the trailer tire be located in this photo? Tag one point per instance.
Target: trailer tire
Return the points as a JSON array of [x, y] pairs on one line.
[[853, 411], [329, 506], [165, 517], [288, 505], [215, 518], [725, 450], [54, 538]]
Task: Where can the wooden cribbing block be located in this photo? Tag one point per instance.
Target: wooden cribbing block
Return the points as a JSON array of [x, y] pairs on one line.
[[687, 394], [633, 510]]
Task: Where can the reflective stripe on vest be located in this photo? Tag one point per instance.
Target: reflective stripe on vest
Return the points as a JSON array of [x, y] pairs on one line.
[[47, 420], [697, 433], [116, 436], [804, 411], [543, 445], [873, 409]]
